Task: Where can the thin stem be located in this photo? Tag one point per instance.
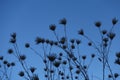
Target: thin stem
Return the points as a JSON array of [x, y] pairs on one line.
[[36, 53], [56, 36]]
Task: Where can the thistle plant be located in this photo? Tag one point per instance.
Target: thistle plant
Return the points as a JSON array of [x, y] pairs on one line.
[[66, 63]]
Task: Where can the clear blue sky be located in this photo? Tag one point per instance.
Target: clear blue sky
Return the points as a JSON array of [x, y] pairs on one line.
[[31, 18]]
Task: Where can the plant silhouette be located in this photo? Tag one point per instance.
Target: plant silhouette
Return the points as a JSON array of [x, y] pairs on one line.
[[68, 63]]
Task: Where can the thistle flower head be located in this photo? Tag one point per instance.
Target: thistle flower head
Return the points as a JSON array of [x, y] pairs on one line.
[[12, 64], [13, 35], [72, 40], [63, 21], [60, 54], [111, 35], [116, 75], [5, 62], [64, 62], [92, 55], [78, 41], [84, 57], [98, 24], [63, 39], [89, 43], [21, 74], [32, 69], [10, 51], [114, 21], [104, 32], [56, 64], [52, 57], [12, 40], [1, 57], [27, 45], [39, 40], [117, 61], [105, 40], [8, 65], [78, 71], [35, 77], [52, 27], [22, 57], [81, 32], [118, 54]]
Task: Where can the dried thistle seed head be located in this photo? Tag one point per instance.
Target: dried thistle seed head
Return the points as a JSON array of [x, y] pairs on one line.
[[52, 27], [74, 58], [116, 75], [63, 39], [13, 35], [72, 46], [64, 46], [63, 21], [51, 71], [21, 74], [46, 75], [81, 32], [60, 58], [104, 32], [62, 74], [10, 51], [84, 57], [109, 76], [92, 55], [71, 68], [77, 71], [89, 43], [118, 54], [5, 62], [55, 43], [76, 77], [62, 77], [27, 45], [85, 67], [105, 40], [32, 69], [47, 41], [8, 65], [35, 77], [117, 61], [39, 40], [51, 43], [67, 77], [111, 35], [64, 62], [78, 41], [22, 57], [45, 69], [12, 41], [98, 24], [60, 54], [72, 40], [1, 57], [12, 64], [45, 61], [56, 64], [114, 21], [52, 57]]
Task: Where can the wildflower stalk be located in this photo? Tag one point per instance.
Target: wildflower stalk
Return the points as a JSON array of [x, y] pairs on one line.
[[56, 36], [21, 62]]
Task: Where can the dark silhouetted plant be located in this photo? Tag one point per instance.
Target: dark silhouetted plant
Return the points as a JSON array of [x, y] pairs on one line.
[[68, 63]]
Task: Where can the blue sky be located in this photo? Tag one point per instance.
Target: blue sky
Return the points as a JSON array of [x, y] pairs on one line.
[[31, 18]]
